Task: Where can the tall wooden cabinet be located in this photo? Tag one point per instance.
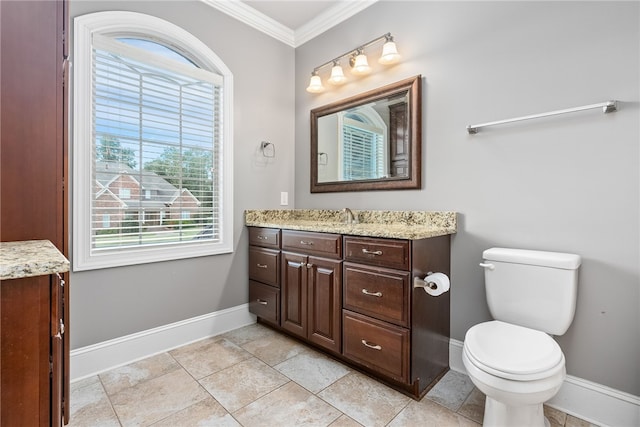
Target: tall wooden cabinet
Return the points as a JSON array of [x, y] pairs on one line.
[[33, 186]]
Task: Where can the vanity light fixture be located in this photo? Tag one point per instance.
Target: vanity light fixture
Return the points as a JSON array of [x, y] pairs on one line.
[[360, 65], [337, 75], [390, 53], [358, 62], [315, 84]]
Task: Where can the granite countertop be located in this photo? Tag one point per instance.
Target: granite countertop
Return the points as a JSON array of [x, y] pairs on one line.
[[412, 225], [30, 258]]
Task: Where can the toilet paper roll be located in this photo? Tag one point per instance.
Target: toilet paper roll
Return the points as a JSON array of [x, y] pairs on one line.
[[436, 284]]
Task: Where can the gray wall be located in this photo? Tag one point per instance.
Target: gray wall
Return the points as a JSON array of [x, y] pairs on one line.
[[114, 302], [568, 183]]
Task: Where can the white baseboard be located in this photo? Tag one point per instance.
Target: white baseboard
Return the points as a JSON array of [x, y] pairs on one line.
[[584, 399], [100, 357]]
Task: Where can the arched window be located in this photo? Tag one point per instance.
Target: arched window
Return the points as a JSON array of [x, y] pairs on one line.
[[151, 144]]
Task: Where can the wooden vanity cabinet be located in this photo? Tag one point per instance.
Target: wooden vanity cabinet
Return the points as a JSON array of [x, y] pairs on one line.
[[33, 345], [354, 297], [311, 287]]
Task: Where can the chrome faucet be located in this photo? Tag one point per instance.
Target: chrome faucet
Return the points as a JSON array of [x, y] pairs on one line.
[[350, 218]]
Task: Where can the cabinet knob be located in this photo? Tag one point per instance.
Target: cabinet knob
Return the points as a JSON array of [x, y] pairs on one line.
[[309, 265], [373, 346]]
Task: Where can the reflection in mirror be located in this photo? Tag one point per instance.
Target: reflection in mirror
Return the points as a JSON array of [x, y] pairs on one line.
[[368, 142]]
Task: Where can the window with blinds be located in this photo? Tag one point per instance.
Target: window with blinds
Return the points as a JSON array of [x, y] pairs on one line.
[[363, 151], [155, 138], [157, 178]]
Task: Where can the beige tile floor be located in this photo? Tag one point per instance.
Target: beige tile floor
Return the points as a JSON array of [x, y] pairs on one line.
[[254, 376]]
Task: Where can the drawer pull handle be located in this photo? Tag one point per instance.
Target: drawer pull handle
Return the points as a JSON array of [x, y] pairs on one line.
[[262, 237], [261, 265], [304, 242], [373, 346], [368, 252], [373, 294], [261, 301]]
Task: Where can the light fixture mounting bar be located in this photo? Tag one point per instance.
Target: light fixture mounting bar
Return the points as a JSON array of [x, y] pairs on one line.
[[386, 36]]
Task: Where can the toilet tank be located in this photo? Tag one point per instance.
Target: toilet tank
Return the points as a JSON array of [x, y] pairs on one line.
[[534, 289]]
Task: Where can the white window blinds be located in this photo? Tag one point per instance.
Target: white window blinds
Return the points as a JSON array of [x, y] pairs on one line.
[[363, 151], [156, 139]]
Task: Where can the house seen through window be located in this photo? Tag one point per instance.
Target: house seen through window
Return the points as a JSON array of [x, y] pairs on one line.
[[157, 150]]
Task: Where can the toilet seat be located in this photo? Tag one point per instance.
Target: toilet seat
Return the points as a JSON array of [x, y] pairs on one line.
[[513, 352]]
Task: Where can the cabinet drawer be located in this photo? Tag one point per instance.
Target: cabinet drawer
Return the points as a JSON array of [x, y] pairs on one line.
[[323, 244], [376, 345], [265, 237], [378, 292], [264, 265], [264, 301], [381, 252]]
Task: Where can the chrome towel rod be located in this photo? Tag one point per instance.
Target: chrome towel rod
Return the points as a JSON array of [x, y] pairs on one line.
[[607, 107]]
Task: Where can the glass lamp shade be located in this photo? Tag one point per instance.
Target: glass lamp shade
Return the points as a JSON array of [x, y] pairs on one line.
[[337, 76], [390, 54], [361, 65], [315, 85]]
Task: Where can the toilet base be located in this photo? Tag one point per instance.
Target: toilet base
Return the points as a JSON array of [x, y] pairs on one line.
[[498, 414]]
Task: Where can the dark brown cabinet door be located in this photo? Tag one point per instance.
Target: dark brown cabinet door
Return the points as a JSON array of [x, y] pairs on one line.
[[25, 379], [32, 152], [325, 278], [294, 293]]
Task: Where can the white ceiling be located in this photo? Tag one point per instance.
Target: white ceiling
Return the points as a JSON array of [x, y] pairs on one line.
[[293, 22]]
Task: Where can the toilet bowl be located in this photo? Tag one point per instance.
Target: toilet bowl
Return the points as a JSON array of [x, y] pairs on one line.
[[513, 359], [517, 368]]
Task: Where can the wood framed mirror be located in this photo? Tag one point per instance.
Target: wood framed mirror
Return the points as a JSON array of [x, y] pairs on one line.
[[371, 141]]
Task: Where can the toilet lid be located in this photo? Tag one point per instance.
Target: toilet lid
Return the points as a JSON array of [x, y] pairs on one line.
[[511, 349]]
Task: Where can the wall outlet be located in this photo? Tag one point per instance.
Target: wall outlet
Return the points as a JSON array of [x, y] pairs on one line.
[[284, 198]]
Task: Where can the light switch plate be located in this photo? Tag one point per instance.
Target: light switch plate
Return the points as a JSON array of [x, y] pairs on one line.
[[284, 198]]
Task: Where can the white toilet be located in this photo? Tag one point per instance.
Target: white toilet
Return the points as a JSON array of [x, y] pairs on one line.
[[513, 359]]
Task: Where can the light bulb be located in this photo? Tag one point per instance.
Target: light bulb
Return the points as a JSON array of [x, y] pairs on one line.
[[390, 53], [337, 75], [361, 65], [315, 84]]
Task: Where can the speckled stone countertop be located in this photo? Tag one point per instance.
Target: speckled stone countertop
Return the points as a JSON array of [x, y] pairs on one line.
[[30, 258], [412, 225]]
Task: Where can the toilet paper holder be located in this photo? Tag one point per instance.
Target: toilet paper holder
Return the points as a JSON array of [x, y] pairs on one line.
[[421, 283]]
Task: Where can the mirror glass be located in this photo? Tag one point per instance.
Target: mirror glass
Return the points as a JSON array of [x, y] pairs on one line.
[[368, 142]]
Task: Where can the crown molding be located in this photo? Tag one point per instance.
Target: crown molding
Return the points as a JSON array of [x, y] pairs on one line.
[[330, 18], [250, 16], [261, 22]]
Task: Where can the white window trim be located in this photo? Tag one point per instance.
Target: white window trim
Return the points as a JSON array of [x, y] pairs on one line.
[[118, 23]]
